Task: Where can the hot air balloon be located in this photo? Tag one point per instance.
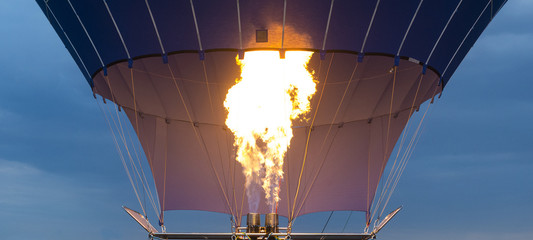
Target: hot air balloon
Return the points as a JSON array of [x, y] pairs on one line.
[[168, 65]]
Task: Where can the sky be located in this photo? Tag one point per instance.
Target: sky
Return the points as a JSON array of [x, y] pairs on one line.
[[60, 177]]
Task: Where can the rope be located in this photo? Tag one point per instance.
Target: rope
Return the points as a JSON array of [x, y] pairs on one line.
[[136, 121], [137, 155], [368, 203], [347, 220], [409, 28], [340, 104], [283, 27], [291, 217], [327, 25], [155, 26], [316, 175], [239, 21], [86, 33], [443, 30], [200, 140], [327, 134], [394, 169], [287, 186], [68, 39], [369, 26], [288, 175], [121, 156], [217, 140], [196, 26], [116, 27], [388, 130], [146, 188], [407, 154], [120, 131], [125, 143], [162, 218], [213, 112], [325, 225], [152, 201], [466, 36]]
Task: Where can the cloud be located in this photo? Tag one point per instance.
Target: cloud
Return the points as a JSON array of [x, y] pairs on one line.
[[45, 205], [519, 8], [483, 167], [506, 43], [7, 116], [498, 235], [29, 186]]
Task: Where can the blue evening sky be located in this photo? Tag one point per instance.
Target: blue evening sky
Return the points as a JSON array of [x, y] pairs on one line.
[[471, 176]]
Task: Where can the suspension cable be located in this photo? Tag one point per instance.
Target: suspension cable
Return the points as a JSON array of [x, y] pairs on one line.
[[117, 146], [347, 220], [291, 217], [150, 196], [327, 221], [120, 132], [200, 140], [407, 154], [327, 135], [393, 171], [388, 129]]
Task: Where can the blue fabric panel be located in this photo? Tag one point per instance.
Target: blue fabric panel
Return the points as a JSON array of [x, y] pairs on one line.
[[390, 25], [218, 23], [218, 26], [349, 23], [175, 24], [131, 16], [259, 15], [431, 19], [64, 40], [458, 28], [100, 27], [72, 27], [496, 5], [469, 42], [309, 18]]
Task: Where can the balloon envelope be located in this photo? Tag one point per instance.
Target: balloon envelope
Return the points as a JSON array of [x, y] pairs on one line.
[[169, 64]]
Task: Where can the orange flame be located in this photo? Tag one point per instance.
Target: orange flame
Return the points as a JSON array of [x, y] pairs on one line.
[[261, 106]]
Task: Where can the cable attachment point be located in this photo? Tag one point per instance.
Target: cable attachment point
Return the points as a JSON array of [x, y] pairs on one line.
[[360, 57], [322, 54], [282, 54], [201, 54]]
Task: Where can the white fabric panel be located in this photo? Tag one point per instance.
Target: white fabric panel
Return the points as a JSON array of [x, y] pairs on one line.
[[191, 153]]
